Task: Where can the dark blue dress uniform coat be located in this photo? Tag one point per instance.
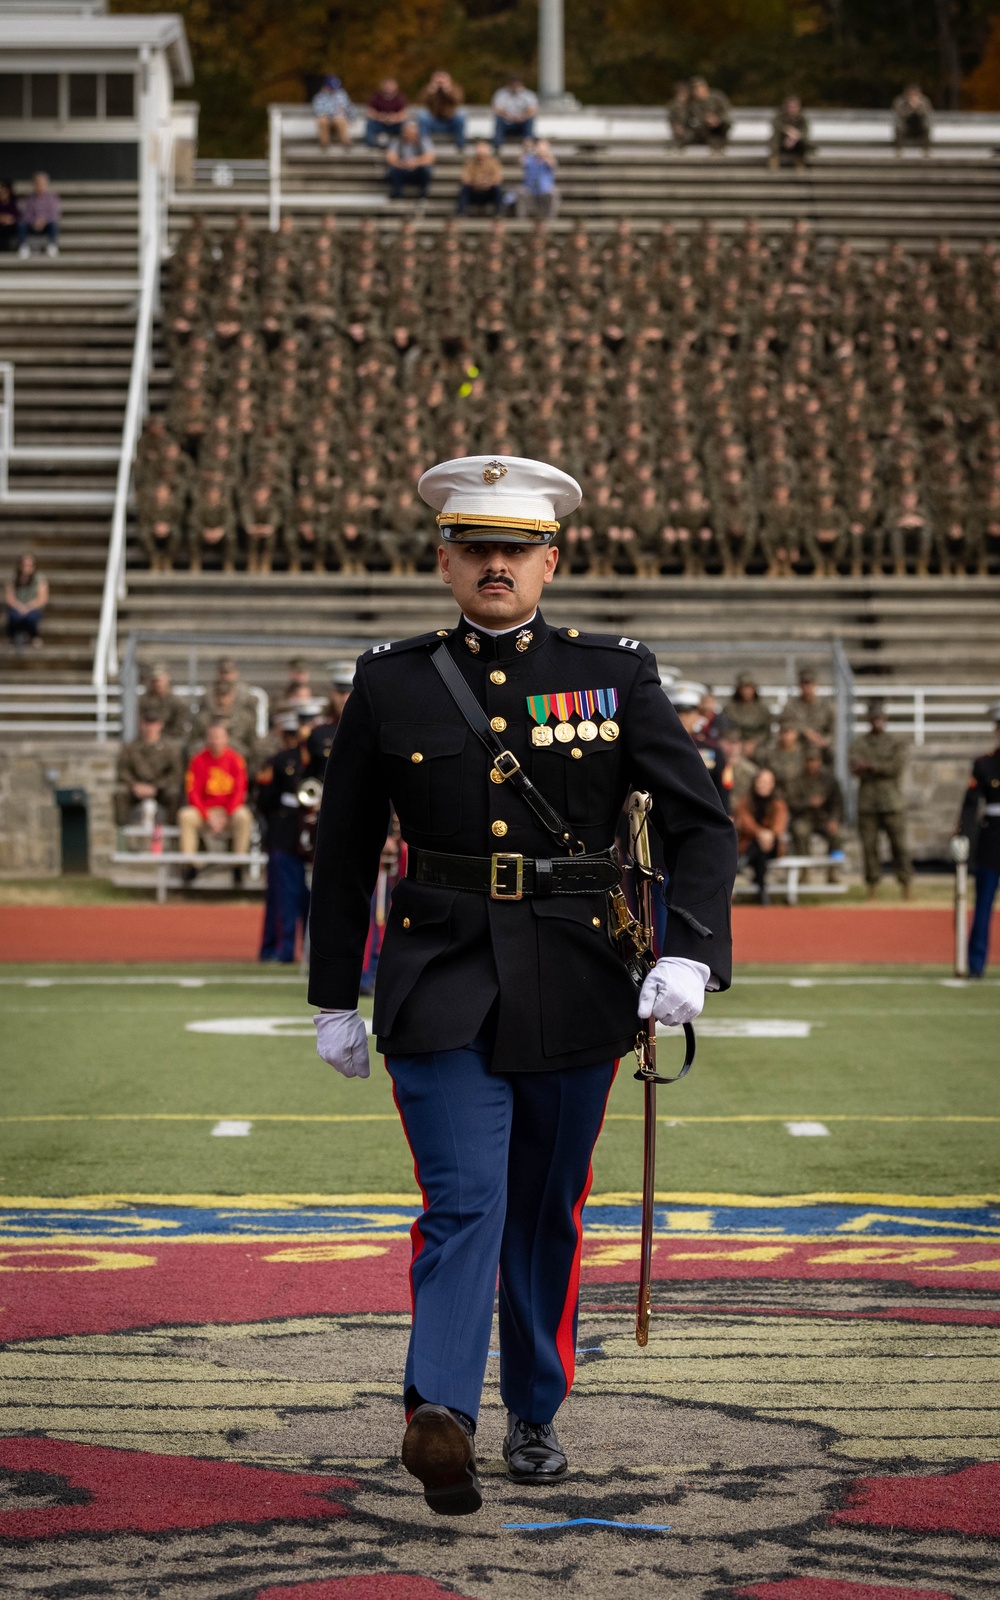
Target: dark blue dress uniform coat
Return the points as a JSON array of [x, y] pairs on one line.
[[562, 995], [984, 785]]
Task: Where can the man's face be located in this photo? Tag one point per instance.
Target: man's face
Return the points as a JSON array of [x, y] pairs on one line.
[[338, 700], [217, 739], [497, 585], [878, 724], [808, 691], [150, 731]]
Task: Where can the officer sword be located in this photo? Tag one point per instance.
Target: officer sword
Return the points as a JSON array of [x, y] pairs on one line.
[[645, 877]]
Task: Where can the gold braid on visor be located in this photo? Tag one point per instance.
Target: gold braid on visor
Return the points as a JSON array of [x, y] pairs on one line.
[[477, 522]]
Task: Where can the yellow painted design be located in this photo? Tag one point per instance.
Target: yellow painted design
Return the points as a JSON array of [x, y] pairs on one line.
[[291, 1201], [857, 1255], [750, 1252], [328, 1252], [25, 1259]]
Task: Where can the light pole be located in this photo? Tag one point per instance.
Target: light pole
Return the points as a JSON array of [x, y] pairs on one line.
[[552, 56]]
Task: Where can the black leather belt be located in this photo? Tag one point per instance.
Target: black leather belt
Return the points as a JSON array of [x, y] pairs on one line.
[[509, 876]]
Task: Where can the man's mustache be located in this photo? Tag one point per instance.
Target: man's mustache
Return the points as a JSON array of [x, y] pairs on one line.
[[495, 577]]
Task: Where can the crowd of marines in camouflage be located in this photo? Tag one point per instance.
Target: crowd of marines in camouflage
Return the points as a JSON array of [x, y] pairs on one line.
[[730, 404]]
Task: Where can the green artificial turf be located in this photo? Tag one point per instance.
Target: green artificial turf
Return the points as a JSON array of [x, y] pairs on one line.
[[121, 1050]]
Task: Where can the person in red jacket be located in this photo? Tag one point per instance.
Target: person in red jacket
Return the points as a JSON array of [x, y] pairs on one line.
[[216, 789]]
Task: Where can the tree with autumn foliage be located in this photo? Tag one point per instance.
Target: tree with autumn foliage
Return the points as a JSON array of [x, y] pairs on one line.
[[248, 53]]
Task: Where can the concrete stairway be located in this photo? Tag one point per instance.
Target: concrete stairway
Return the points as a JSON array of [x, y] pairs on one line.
[[72, 355], [865, 198], [902, 630], [99, 235]]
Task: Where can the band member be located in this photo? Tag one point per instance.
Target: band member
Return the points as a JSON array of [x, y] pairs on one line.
[[983, 832], [502, 1006]]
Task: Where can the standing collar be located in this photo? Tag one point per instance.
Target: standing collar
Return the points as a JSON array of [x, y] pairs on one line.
[[471, 642]]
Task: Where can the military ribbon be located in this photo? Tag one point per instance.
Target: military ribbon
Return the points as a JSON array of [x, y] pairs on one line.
[[539, 707], [562, 704], [606, 701]]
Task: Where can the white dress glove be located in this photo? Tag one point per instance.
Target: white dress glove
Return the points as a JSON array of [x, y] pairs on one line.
[[342, 1042], [674, 991]]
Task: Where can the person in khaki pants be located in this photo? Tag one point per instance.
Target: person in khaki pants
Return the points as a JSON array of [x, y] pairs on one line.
[[216, 789]]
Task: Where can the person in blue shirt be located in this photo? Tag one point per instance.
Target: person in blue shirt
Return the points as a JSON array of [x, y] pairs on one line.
[[538, 197], [334, 113]]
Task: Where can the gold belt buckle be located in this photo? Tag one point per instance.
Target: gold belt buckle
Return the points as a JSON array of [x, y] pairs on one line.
[[500, 863]]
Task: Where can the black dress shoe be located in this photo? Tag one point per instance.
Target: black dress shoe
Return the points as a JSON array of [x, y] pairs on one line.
[[532, 1451], [439, 1449]]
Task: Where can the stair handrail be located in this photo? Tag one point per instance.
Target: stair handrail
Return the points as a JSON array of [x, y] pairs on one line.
[[106, 652]]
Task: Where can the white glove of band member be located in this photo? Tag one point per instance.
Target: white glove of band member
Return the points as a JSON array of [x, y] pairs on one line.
[[674, 991], [342, 1042]]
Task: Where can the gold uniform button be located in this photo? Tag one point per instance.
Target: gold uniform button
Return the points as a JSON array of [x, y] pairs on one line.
[[495, 776], [498, 724], [596, 922], [572, 633], [442, 633], [576, 754], [496, 676], [499, 829], [406, 922], [416, 757]]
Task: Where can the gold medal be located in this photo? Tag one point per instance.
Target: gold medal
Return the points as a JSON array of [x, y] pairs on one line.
[[587, 731], [565, 732], [541, 735], [609, 730]]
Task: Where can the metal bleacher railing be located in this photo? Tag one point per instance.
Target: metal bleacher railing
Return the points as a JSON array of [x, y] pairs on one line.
[[11, 452]]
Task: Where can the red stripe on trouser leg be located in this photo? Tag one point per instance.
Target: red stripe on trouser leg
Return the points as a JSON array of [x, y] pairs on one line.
[[416, 1234], [566, 1333]]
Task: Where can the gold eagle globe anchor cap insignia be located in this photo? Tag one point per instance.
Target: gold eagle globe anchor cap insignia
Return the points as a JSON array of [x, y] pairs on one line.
[[499, 499]]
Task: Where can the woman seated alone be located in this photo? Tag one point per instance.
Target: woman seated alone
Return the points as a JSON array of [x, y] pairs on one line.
[[26, 596], [761, 819]]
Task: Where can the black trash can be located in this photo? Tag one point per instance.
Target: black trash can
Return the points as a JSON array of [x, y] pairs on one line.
[[74, 829]]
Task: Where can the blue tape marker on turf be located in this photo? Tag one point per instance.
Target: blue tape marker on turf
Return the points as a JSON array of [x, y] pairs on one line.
[[591, 1522]]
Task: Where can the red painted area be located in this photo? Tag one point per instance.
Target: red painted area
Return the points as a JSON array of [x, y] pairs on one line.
[[954, 1502], [835, 1589], [780, 934], [377, 1586], [130, 933], [66, 1289], [127, 1489]]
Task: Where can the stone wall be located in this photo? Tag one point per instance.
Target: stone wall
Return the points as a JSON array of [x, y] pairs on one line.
[[30, 770]]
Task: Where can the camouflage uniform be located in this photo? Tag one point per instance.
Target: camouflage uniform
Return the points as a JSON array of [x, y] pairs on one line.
[[881, 804], [159, 764]]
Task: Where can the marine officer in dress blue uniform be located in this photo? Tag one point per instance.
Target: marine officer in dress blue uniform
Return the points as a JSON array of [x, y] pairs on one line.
[[502, 1006], [982, 829]]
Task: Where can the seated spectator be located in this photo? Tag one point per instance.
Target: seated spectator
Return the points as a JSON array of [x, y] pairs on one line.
[[442, 113], [482, 179], [913, 115], [710, 118], [224, 703], [761, 819], [409, 161], [334, 113], [679, 115], [514, 111], [790, 146], [40, 217], [10, 215], [748, 714], [149, 776], [160, 704], [737, 772], [814, 718], [816, 804], [537, 196], [297, 689], [783, 757], [386, 112], [216, 787], [26, 596]]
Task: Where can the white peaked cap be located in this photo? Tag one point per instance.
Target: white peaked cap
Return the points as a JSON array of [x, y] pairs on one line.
[[493, 497]]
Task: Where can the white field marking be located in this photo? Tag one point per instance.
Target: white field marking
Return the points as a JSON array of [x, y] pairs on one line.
[[838, 983], [808, 1130], [261, 1027], [230, 1128], [753, 1028]]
